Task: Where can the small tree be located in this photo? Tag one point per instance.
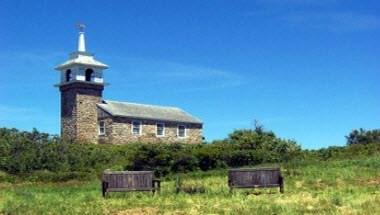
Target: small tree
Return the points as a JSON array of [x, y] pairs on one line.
[[363, 136]]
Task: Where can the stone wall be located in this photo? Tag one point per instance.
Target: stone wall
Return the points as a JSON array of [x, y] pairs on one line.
[[79, 111], [119, 131], [68, 115], [80, 116], [107, 137]]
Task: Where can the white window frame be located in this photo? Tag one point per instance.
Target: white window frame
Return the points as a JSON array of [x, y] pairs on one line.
[[140, 127], [185, 131], [163, 129], [99, 128]]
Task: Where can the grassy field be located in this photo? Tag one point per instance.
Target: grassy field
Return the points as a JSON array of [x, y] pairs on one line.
[[331, 187]]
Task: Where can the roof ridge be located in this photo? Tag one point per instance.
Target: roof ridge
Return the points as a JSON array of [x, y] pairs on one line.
[[147, 105]]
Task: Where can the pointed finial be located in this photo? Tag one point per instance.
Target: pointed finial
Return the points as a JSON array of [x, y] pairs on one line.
[[81, 27], [81, 42]]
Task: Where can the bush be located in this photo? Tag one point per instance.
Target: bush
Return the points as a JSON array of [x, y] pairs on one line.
[[362, 136], [38, 156], [5, 177], [48, 176], [183, 162]]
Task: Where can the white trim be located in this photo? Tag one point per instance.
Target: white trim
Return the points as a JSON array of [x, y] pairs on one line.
[[163, 129], [104, 128], [140, 127], [185, 131]]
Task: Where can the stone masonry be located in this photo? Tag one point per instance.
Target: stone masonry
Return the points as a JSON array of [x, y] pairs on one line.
[[79, 111], [119, 131]]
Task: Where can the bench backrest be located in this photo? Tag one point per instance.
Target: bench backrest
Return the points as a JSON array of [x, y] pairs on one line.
[[129, 180], [258, 177]]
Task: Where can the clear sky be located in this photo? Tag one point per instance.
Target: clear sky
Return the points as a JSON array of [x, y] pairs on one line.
[[306, 69]]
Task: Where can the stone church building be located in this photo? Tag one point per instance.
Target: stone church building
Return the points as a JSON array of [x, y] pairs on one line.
[[87, 117]]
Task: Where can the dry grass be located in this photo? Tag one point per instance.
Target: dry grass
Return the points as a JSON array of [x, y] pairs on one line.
[[336, 187], [138, 211]]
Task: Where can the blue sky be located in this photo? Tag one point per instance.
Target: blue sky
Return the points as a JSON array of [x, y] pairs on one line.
[[306, 69]]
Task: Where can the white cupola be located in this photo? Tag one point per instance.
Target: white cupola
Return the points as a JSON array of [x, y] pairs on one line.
[[81, 66]]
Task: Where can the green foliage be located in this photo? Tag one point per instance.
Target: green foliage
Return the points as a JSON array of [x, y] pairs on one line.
[[270, 148], [342, 152], [34, 155], [25, 153], [362, 136]]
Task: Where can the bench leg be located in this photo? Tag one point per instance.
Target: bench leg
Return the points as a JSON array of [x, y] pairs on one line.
[[230, 186], [159, 186], [281, 185], [104, 188], [156, 186]]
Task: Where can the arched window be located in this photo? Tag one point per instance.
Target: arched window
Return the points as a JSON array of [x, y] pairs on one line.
[[69, 75], [90, 75]]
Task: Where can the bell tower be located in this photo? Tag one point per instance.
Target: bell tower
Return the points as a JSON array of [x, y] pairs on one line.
[[81, 86]]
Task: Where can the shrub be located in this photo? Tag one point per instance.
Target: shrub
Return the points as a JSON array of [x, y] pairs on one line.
[[38, 156], [209, 157], [184, 162], [362, 136]]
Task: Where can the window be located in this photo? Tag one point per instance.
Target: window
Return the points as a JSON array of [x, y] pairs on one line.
[[69, 75], [181, 131], [160, 129], [102, 128], [136, 127], [90, 75]]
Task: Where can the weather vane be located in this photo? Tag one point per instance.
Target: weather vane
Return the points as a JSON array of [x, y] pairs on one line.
[[81, 27]]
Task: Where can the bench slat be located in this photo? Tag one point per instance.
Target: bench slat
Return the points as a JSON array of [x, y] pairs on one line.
[[129, 189], [253, 178], [118, 181]]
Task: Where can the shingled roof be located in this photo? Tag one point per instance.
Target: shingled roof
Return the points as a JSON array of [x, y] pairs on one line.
[[142, 111]]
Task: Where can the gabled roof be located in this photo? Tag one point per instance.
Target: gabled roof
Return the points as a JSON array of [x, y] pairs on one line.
[[81, 58], [142, 111]]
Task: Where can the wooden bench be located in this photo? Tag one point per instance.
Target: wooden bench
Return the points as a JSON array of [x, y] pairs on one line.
[[124, 181], [255, 178]]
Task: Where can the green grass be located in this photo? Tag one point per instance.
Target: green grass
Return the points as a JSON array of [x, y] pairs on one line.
[[331, 187]]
